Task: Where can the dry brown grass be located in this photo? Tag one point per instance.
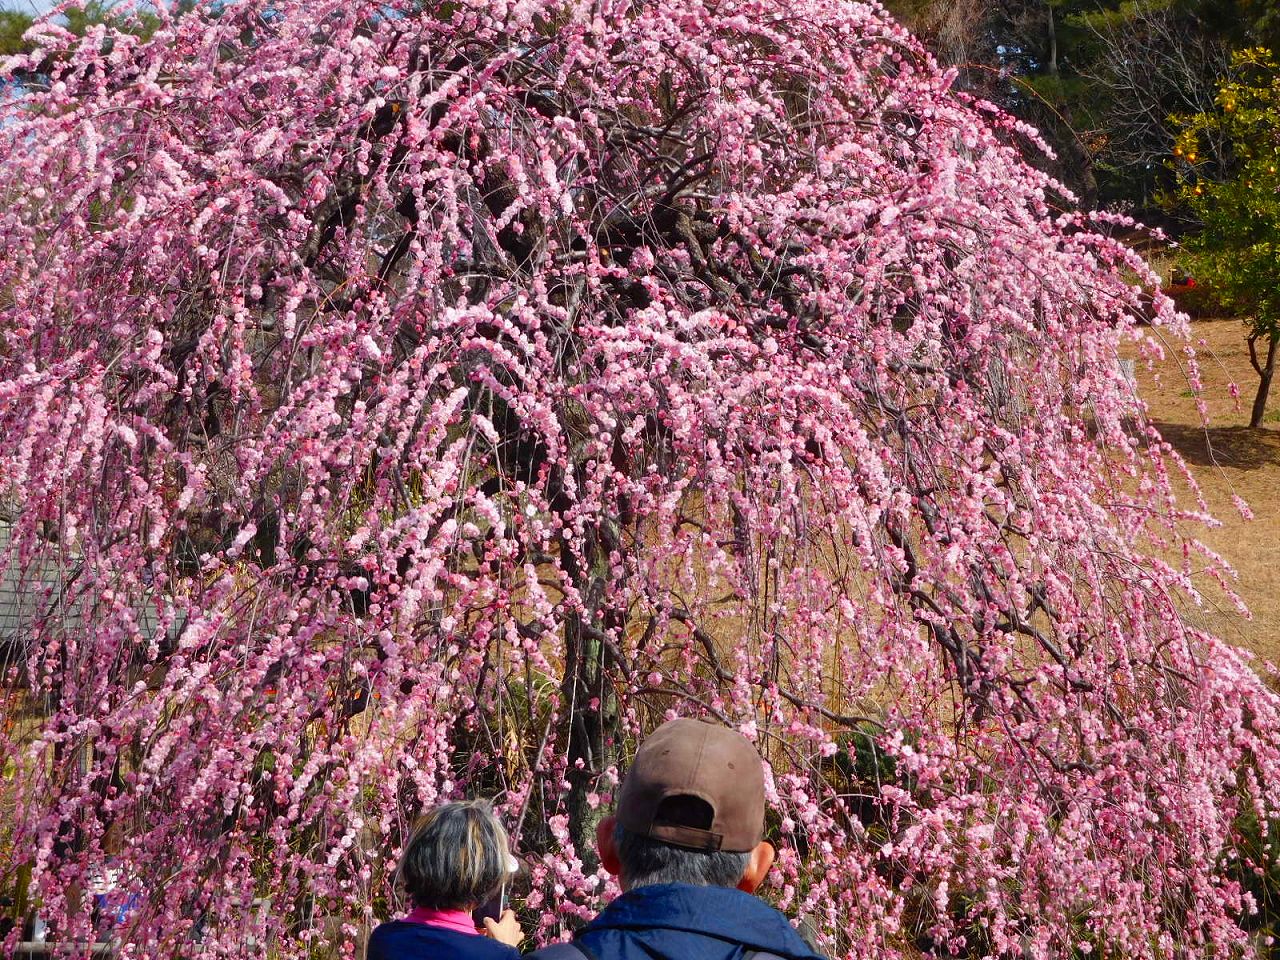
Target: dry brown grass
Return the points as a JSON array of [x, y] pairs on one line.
[[1228, 458]]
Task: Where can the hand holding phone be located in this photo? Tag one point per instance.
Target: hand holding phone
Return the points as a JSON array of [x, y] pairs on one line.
[[506, 929], [493, 917], [491, 909]]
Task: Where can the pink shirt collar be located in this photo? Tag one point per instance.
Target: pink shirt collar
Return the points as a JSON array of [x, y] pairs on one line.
[[457, 920]]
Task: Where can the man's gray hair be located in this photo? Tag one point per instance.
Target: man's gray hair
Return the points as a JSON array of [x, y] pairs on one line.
[[646, 862]]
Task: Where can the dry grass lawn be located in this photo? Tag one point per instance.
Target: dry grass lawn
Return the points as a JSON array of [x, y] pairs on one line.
[[1229, 458]]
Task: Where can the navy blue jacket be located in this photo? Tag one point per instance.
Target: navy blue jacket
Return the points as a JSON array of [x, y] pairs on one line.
[[675, 921], [399, 940]]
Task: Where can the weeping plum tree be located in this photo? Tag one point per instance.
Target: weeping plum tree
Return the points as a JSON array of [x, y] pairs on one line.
[[406, 400]]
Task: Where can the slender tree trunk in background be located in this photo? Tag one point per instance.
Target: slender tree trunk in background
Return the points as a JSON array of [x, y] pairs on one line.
[[1265, 373], [1053, 44]]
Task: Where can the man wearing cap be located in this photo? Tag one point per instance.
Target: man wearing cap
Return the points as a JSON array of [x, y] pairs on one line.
[[686, 845]]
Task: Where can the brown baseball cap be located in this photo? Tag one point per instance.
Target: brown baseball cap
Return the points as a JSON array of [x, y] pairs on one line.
[[689, 758]]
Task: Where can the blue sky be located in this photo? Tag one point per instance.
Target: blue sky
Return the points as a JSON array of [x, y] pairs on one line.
[[26, 6]]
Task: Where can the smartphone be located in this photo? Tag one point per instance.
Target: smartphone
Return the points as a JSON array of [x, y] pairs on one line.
[[493, 908]]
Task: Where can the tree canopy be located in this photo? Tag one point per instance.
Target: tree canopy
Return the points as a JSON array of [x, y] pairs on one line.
[[401, 400]]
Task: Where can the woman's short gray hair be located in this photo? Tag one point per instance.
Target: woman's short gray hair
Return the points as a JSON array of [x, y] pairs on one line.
[[456, 858]]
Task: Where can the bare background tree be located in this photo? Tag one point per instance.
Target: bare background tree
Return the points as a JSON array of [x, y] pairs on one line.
[[1151, 66]]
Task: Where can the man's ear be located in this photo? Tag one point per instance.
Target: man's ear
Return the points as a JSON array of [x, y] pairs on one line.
[[758, 864], [607, 846]]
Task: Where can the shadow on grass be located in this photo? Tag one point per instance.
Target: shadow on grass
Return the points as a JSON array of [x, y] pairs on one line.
[[1241, 448]]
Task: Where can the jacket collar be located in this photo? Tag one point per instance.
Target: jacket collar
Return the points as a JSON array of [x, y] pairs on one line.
[[719, 912]]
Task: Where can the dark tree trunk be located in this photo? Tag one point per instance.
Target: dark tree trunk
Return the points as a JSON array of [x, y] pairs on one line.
[[1053, 44], [1265, 373], [587, 691]]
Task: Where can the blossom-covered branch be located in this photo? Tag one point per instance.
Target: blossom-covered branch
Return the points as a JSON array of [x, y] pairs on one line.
[[401, 400]]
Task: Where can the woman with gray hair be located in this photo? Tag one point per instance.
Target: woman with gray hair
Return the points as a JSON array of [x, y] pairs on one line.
[[457, 858]]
